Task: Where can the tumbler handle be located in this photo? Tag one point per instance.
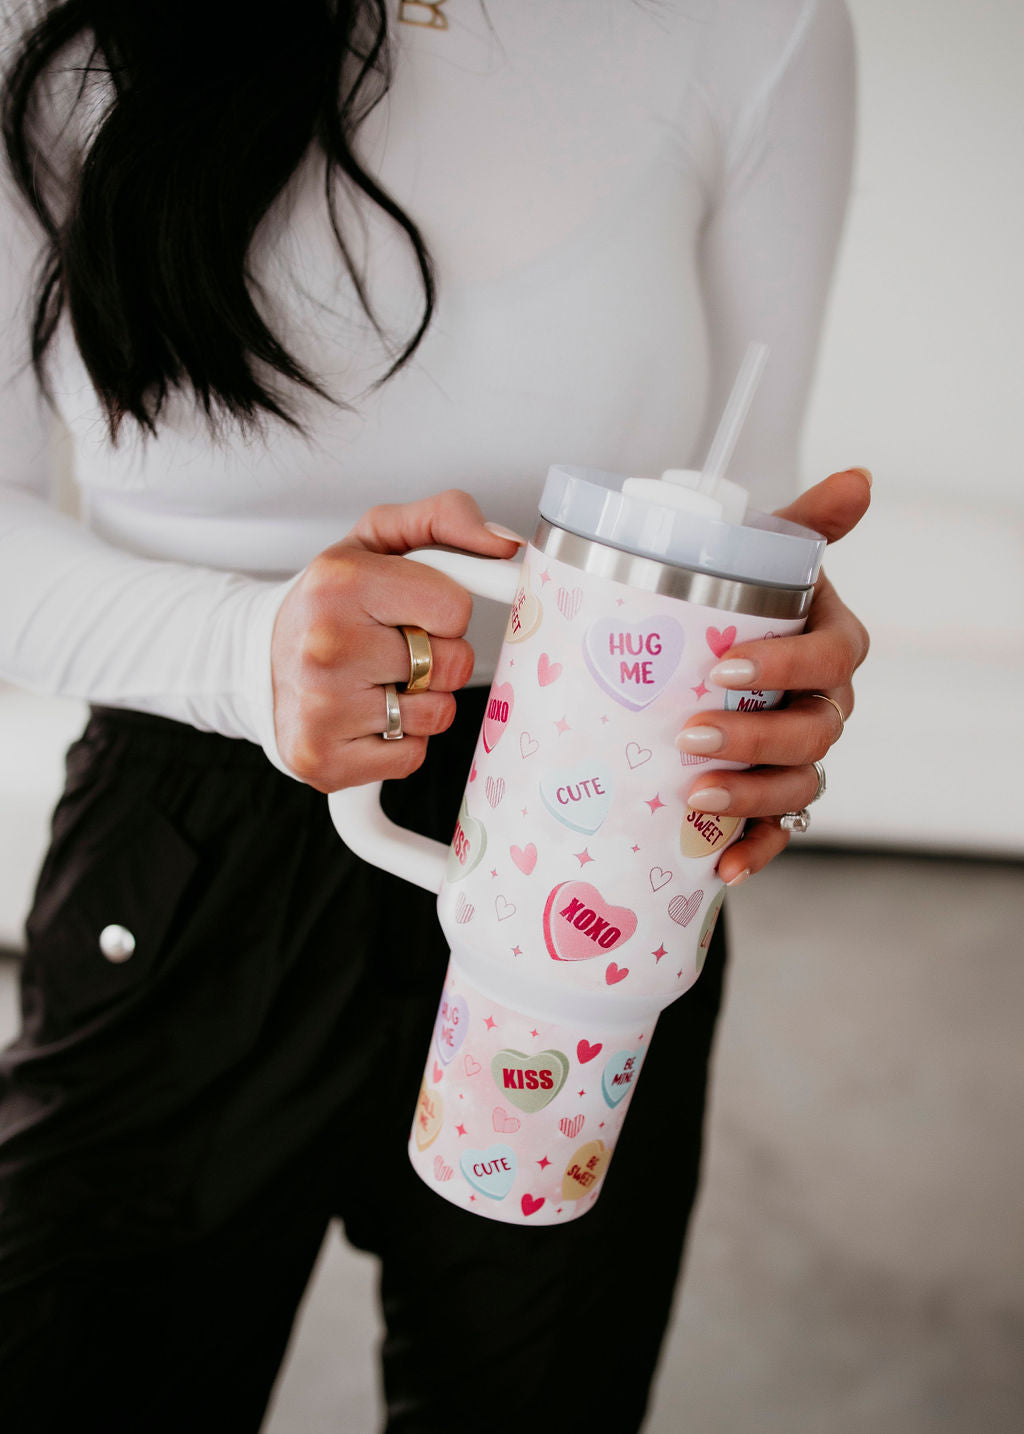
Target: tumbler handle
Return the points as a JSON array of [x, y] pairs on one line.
[[356, 811]]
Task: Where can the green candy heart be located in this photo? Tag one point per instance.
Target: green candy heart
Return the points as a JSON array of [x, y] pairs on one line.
[[530, 1082]]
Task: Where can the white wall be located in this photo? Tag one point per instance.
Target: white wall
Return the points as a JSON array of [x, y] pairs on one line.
[[920, 378]]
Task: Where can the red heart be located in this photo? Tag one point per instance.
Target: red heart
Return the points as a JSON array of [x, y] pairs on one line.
[[438, 1073], [615, 973], [587, 1052], [531, 1204], [720, 642]]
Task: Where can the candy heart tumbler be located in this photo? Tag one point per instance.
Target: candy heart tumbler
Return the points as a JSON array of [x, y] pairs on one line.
[[579, 893]]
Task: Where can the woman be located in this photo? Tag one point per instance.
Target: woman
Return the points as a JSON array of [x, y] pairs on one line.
[[240, 220]]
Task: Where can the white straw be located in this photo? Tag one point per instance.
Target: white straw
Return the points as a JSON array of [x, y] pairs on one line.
[[734, 416]]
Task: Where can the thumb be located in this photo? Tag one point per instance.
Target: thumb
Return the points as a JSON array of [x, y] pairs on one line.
[[452, 519], [834, 506]]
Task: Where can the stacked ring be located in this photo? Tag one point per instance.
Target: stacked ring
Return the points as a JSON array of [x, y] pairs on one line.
[[393, 714], [421, 658]]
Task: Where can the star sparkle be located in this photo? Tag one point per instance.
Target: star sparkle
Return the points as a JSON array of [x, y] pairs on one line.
[[494, 871], [634, 848], [517, 951], [700, 691], [544, 1163], [583, 856], [461, 1129], [661, 951], [490, 1023], [545, 577], [655, 802], [562, 726], [533, 1034]]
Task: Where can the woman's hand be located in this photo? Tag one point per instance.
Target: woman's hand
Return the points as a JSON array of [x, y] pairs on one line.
[[782, 745], [336, 642]]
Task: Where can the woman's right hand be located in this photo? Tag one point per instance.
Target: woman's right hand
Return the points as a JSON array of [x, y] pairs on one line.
[[336, 642]]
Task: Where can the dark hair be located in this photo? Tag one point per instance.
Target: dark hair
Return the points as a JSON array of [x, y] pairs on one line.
[[212, 106]]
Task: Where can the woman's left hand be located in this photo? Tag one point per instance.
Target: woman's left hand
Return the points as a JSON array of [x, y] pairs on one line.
[[782, 745]]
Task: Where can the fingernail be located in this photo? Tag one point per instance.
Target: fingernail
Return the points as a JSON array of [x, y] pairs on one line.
[[700, 739], [865, 471], [737, 879], [737, 671], [709, 799], [500, 531]]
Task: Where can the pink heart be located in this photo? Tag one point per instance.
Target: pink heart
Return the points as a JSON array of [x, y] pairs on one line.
[[547, 671], [572, 1127], [526, 859], [499, 710], [683, 909], [527, 745], [472, 1066], [579, 924], [634, 661], [658, 878], [442, 1171], [720, 642], [437, 1073], [504, 1123], [569, 601], [531, 1204], [636, 755], [586, 1052], [495, 789], [615, 973]]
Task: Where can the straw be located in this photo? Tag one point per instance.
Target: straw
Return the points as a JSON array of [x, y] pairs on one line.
[[734, 416]]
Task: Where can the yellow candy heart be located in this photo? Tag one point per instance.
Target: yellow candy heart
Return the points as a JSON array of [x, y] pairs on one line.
[[584, 1170], [702, 833], [429, 1115]]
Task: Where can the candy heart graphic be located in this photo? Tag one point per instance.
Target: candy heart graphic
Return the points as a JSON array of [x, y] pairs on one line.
[[429, 1115], [586, 1052], [619, 1074], [547, 671], [754, 701], [503, 908], [571, 1126], [527, 745], [491, 1171], [472, 1066], [579, 796], [579, 924], [499, 710], [504, 1123], [584, 1170], [570, 600], [526, 614], [530, 1082], [636, 755], [530, 1204], [707, 928], [634, 662], [683, 909], [495, 789], [720, 642], [451, 1025], [442, 1171], [658, 878], [524, 857], [701, 833], [613, 974], [468, 845]]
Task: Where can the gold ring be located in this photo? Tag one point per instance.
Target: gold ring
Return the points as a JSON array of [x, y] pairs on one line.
[[835, 704], [393, 721], [421, 658]]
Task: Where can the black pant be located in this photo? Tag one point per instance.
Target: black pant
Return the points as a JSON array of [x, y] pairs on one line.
[[177, 1129]]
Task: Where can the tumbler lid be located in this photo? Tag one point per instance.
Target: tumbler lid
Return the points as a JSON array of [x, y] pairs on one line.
[[761, 549]]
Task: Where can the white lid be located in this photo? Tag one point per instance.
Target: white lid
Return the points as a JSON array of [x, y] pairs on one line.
[[760, 549]]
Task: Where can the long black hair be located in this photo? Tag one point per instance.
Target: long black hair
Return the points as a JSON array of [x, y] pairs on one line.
[[210, 106]]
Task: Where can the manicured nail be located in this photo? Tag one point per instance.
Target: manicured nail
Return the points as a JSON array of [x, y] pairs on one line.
[[500, 531], [737, 879], [709, 799], [700, 739], [865, 471], [737, 672]]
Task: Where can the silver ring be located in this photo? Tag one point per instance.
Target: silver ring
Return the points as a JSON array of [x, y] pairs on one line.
[[822, 784], [393, 728], [795, 821]]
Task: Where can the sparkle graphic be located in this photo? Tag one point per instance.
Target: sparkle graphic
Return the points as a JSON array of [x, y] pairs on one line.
[[581, 1092], [679, 975], [700, 691], [544, 1163], [533, 1034], [601, 1126], [490, 1023], [494, 871], [634, 848], [524, 811], [517, 951], [660, 952], [583, 856], [655, 802], [562, 726], [461, 1129], [620, 601], [603, 720], [545, 577]]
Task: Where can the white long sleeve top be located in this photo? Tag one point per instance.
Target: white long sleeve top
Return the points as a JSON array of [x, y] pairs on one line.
[[617, 196]]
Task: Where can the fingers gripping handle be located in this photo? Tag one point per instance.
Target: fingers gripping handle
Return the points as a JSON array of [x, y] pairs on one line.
[[356, 811]]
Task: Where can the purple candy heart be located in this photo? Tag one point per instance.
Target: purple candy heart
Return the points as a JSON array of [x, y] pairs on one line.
[[450, 1026], [634, 661]]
